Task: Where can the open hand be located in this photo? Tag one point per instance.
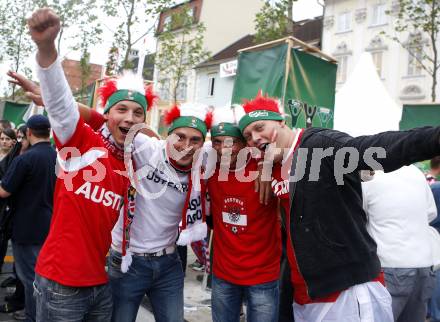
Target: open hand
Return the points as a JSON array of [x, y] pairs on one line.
[[32, 90], [263, 187]]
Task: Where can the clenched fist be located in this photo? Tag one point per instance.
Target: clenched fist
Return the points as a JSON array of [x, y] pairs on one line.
[[44, 26]]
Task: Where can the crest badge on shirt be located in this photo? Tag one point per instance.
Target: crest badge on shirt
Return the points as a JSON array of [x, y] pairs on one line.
[[233, 214]]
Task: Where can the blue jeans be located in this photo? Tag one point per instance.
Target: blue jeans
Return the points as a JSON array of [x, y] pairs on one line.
[[25, 257], [262, 301], [59, 303], [434, 302], [160, 278]]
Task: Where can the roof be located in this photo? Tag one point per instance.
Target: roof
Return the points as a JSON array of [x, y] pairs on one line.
[[229, 52], [309, 30]]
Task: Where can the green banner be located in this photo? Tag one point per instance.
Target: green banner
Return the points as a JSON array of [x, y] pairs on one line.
[[14, 112], [260, 70], [420, 115], [308, 93]]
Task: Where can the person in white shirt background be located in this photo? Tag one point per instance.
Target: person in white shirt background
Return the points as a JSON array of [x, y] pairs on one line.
[[399, 206]]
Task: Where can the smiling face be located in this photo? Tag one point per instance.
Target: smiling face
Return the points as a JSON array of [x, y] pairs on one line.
[[185, 138], [121, 117], [261, 134], [224, 142]]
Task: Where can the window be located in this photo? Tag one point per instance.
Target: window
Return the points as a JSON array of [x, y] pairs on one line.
[[134, 53], [344, 22], [414, 67], [167, 22], [377, 48], [341, 74], [211, 84], [181, 89], [164, 92], [379, 15], [377, 59], [183, 52]]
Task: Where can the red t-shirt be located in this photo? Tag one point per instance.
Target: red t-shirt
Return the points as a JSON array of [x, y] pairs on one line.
[[84, 212], [247, 236]]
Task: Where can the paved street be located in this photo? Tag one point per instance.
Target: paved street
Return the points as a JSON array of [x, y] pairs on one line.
[[7, 270], [197, 301]]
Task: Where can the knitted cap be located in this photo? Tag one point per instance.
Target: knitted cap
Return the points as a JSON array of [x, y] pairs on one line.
[[225, 122], [260, 108], [128, 87], [193, 115]]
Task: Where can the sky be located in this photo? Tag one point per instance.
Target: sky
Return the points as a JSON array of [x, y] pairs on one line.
[[302, 9]]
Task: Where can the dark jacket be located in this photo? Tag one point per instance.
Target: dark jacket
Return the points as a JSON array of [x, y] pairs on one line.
[[31, 180], [327, 223], [5, 213]]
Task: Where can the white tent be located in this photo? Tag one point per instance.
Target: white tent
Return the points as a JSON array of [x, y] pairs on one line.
[[363, 105]]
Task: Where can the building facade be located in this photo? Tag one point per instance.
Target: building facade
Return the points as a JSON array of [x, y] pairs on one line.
[[352, 27], [72, 70], [215, 78], [225, 22]]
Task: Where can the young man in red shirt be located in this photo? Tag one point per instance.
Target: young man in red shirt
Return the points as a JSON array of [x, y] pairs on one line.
[[247, 242], [155, 267], [335, 269], [71, 281]]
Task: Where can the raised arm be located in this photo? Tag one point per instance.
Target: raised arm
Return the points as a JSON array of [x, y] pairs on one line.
[[402, 147], [90, 116], [44, 26]]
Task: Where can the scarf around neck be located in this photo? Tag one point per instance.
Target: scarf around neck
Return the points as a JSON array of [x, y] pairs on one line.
[[110, 144], [129, 197]]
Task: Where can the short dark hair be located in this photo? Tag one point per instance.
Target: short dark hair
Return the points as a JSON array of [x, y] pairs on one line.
[[40, 133], [435, 162], [5, 124], [9, 133]]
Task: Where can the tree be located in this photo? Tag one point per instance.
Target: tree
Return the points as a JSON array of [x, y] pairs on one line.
[[90, 34], [417, 19], [181, 48], [112, 62], [16, 45], [86, 71], [274, 21], [134, 15], [77, 17]]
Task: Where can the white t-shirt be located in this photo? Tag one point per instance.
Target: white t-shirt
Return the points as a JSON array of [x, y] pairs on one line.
[[399, 206], [159, 200]]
